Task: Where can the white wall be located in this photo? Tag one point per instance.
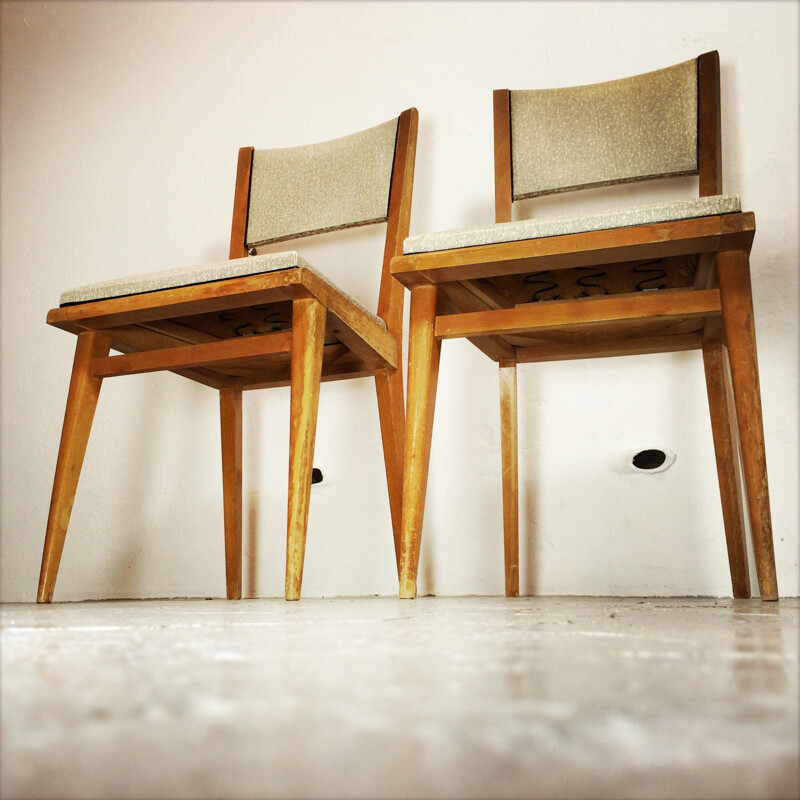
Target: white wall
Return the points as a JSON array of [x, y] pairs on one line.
[[120, 126]]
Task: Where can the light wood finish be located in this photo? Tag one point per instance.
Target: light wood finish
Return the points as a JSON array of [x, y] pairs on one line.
[[423, 373], [528, 301], [568, 314], [733, 268], [726, 449], [238, 334], [508, 443], [308, 330], [192, 355], [230, 406], [84, 389], [389, 382]]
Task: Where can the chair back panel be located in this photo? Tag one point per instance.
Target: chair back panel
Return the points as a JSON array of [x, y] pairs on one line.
[[342, 183], [605, 133]]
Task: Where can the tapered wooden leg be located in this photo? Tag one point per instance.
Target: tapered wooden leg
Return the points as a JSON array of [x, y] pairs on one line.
[[423, 372], [733, 270], [230, 407], [84, 390], [508, 446], [389, 385], [726, 448], [308, 339]]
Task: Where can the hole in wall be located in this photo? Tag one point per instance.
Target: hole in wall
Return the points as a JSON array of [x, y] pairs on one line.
[[645, 461], [649, 459], [316, 476]]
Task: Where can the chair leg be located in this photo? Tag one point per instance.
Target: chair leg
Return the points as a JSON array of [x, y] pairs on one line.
[[84, 390], [308, 339], [389, 385], [733, 269], [508, 442], [423, 372], [230, 407], [726, 448]]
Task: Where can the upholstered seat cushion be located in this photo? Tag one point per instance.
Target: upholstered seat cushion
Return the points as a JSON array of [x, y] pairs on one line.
[[559, 226], [205, 273]]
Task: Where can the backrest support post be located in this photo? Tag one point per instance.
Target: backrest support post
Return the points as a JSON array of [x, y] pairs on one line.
[[709, 125], [241, 201], [502, 155], [391, 293]]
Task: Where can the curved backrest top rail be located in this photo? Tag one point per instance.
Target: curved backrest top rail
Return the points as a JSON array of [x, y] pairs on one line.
[[619, 131], [341, 183]]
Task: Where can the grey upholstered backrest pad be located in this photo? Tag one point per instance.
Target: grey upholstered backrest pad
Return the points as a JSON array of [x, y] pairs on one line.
[[298, 191], [615, 132]]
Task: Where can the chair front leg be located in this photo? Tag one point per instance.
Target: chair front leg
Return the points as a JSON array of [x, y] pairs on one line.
[[726, 449], [733, 270], [230, 407], [508, 446], [389, 386], [84, 389], [423, 372], [308, 339]]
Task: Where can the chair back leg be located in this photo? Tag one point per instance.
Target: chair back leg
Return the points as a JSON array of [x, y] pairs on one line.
[[726, 449], [84, 389], [733, 270]]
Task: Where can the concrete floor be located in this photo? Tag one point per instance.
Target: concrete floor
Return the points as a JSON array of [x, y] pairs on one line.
[[375, 697]]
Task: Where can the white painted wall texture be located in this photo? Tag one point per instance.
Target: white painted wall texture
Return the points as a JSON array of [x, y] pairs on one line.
[[120, 124]]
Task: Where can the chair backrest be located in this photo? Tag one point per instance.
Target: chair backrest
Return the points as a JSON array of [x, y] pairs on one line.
[[355, 180], [655, 125]]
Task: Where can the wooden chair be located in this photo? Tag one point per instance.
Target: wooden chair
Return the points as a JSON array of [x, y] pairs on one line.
[[256, 321], [647, 279]]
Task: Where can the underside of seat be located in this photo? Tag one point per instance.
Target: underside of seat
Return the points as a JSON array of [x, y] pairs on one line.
[[571, 283]]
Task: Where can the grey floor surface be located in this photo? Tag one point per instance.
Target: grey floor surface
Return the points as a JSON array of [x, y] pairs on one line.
[[381, 698]]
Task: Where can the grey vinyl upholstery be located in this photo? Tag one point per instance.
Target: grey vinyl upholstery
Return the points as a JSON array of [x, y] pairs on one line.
[[541, 227], [298, 191], [604, 133]]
